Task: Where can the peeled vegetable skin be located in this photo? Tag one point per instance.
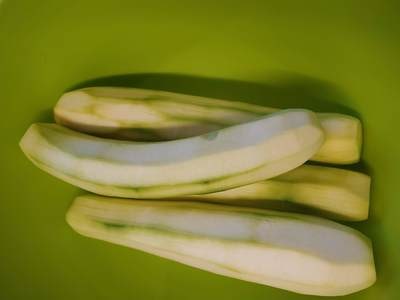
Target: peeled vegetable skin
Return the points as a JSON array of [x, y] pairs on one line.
[[151, 115], [299, 253], [220, 160]]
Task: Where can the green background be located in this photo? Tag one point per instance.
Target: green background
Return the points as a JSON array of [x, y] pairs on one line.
[[326, 55]]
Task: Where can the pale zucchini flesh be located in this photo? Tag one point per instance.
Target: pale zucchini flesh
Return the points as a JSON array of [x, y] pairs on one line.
[[149, 115], [343, 194], [295, 252], [220, 160]]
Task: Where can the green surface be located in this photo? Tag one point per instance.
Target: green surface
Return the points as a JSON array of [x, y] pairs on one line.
[[327, 55]]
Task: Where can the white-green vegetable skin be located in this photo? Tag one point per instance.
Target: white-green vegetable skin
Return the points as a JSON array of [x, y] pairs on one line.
[[224, 159], [150, 115], [295, 252], [343, 194]]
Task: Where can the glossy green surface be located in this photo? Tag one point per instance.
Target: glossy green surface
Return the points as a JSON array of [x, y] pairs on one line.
[[328, 55]]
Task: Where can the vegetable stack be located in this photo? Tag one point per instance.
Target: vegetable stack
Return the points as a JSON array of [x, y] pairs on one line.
[[187, 151]]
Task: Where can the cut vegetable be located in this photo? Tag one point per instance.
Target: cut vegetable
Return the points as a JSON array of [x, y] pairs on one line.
[[295, 252], [342, 193], [149, 115], [216, 161]]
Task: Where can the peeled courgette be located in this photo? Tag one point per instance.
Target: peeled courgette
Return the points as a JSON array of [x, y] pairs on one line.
[[219, 160], [149, 115], [295, 252], [343, 194]]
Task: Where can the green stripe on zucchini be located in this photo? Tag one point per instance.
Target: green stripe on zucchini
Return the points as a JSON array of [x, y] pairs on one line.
[[149, 115], [343, 194], [234, 156], [299, 253]]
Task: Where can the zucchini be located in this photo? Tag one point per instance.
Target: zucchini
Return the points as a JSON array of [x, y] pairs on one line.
[[219, 160], [295, 252], [149, 115], [343, 194]]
